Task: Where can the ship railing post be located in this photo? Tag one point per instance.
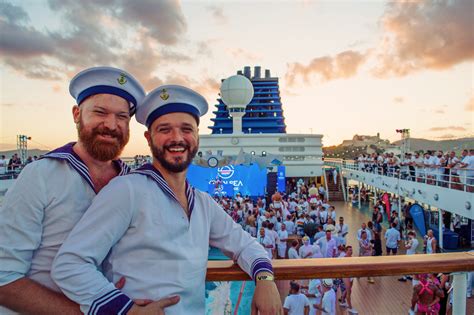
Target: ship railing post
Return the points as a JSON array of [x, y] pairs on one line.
[[459, 293]]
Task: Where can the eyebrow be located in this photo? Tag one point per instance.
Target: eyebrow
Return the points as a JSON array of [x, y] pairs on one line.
[[104, 109]]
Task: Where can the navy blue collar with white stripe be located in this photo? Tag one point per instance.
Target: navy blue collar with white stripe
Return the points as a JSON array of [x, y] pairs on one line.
[[150, 171], [67, 154]]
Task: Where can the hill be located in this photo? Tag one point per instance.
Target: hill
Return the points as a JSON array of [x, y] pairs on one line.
[[31, 152], [444, 145]]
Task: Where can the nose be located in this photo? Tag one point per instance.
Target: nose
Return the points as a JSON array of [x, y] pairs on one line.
[[176, 135], [111, 122]]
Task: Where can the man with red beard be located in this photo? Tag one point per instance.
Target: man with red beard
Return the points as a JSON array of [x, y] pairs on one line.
[[157, 228], [51, 194]]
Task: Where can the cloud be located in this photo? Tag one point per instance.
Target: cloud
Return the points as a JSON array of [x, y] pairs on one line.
[[452, 128], [398, 99], [239, 53], [93, 33], [439, 111], [7, 104], [470, 105], [218, 14], [342, 66], [424, 34]]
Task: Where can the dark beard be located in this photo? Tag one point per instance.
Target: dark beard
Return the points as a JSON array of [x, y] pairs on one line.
[[179, 165], [99, 150]]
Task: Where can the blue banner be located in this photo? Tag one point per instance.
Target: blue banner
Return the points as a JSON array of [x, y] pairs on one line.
[[229, 180], [281, 179], [418, 214]]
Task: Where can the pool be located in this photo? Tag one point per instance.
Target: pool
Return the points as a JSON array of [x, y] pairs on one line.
[[222, 297]]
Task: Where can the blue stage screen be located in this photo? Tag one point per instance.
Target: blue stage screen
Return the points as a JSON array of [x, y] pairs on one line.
[[229, 180]]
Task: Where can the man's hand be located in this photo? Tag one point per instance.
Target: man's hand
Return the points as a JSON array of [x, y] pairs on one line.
[[266, 299], [154, 308]]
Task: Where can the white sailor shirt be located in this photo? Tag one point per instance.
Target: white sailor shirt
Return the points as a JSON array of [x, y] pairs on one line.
[[141, 231], [38, 212]]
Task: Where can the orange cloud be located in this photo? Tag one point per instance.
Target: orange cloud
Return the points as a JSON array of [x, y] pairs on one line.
[[399, 99], [343, 65], [424, 35], [453, 128], [470, 105]]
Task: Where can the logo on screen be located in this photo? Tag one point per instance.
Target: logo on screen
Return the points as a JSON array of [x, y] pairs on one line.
[[225, 172]]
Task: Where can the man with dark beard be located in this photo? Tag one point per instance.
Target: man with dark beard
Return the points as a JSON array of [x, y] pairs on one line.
[[51, 194], [157, 228]]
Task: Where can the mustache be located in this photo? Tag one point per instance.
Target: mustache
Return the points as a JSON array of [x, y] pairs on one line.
[[104, 131], [177, 144]]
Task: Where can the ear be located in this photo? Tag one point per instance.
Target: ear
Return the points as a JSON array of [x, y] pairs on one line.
[[147, 135], [76, 113]]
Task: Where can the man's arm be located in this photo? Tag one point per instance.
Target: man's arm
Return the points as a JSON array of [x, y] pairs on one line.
[[237, 244], [21, 230], [28, 297], [75, 268]]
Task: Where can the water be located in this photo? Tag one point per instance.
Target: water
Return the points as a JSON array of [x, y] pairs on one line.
[[221, 297]]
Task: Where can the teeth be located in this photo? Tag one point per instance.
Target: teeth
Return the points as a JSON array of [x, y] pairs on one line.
[[176, 149]]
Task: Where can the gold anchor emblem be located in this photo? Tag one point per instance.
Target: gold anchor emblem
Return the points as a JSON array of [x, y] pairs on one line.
[[123, 79], [164, 95]]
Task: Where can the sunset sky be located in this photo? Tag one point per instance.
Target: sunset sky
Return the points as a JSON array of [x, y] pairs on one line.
[[345, 67]]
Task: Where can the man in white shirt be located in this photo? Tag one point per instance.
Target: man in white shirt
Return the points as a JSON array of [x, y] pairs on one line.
[[155, 202], [51, 194], [328, 303], [392, 238], [290, 225], [283, 237], [328, 245], [411, 245], [292, 252], [296, 303], [342, 229], [365, 229]]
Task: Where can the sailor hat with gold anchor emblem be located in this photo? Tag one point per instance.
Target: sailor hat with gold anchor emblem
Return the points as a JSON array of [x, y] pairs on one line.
[[171, 99], [107, 80]]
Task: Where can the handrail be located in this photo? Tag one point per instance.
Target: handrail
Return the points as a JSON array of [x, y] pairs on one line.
[[317, 268]]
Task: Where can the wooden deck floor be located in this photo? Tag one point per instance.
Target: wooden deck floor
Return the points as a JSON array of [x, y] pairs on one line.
[[387, 295]]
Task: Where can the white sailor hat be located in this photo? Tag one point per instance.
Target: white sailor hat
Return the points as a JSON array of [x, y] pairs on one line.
[[328, 283], [168, 99], [107, 80]]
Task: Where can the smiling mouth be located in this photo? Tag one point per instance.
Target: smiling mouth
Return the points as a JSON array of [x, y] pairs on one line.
[[176, 149]]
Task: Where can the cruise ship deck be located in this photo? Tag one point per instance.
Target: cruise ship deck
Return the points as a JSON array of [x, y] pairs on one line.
[[387, 295]]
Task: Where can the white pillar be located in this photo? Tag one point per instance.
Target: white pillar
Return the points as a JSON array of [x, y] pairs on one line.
[[360, 186], [237, 122], [440, 228], [459, 293]]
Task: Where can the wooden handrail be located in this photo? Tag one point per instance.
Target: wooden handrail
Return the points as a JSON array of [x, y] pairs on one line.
[[292, 269]]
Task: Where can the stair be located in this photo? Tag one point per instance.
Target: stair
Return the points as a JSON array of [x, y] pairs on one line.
[[334, 190]]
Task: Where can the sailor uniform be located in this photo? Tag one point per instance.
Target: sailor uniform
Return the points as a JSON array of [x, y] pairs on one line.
[[38, 212], [147, 238]]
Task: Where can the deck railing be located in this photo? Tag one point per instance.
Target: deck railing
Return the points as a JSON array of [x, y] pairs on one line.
[[452, 178], [293, 269]]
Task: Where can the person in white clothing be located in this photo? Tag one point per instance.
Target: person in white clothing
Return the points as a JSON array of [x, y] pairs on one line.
[[51, 194], [283, 237], [155, 202], [342, 230], [314, 294], [364, 229], [411, 245], [306, 250], [328, 302], [296, 303], [292, 252], [265, 239]]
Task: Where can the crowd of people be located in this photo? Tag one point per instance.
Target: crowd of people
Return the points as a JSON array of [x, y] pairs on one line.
[[305, 225], [433, 167], [14, 163]]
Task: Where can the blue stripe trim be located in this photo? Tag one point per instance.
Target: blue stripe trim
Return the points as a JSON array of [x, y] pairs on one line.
[[105, 89], [172, 108], [113, 302], [261, 265], [150, 171], [66, 153], [95, 304]]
